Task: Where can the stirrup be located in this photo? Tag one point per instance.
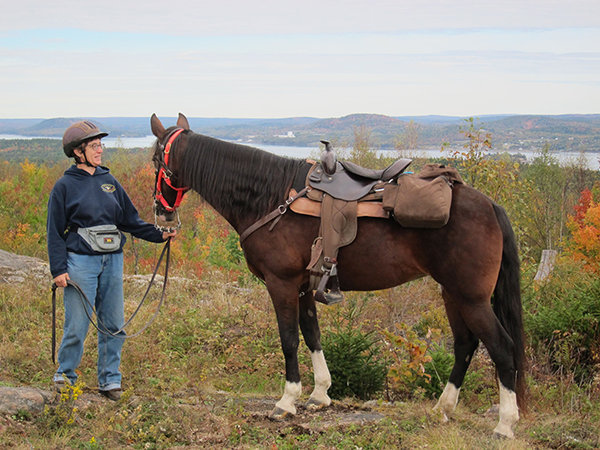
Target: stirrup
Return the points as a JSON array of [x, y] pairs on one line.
[[330, 280]]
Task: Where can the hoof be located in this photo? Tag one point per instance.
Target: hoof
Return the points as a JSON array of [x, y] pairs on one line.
[[280, 414], [441, 415], [503, 433], [314, 405]]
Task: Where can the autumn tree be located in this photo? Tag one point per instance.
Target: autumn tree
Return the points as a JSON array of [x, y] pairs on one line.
[[363, 152], [409, 139], [547, 200], [497, 178], [584, 225], [472, 157]]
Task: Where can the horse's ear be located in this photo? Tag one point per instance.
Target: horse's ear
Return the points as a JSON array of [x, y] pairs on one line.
[[182, 122], [157, 127]]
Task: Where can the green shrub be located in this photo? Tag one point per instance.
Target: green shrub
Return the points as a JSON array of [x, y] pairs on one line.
[[418, 364], [562, 318], [355, 368], [438, 371]]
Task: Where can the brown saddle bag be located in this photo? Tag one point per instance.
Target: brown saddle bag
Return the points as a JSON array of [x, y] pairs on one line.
[[422, 201]]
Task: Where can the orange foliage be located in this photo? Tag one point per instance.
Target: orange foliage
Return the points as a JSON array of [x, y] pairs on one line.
[[584, 244], [582, 206]]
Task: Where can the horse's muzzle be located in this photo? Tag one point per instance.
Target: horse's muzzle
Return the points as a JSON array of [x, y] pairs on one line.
[[160, 213], [168, 216]]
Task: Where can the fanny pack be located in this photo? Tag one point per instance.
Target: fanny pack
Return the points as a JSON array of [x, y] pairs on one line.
[[102, 238]]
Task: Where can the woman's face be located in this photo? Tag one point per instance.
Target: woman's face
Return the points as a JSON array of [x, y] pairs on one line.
[[93, 152]]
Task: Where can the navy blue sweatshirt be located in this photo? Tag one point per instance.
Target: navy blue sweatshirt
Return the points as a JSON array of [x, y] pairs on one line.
[[81, 200]]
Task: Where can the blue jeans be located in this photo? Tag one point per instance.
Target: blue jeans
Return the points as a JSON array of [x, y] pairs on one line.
[[101, 278]]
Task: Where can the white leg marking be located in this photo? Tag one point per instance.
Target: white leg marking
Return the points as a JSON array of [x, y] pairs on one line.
[[509, 412], [290, 395], [319, 397], [448, 401]]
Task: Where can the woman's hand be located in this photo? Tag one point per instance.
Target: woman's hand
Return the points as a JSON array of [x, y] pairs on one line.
[[170, 234], [61, 280]]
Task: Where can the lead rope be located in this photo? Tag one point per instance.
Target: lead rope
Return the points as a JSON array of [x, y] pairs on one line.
[[104, 330]]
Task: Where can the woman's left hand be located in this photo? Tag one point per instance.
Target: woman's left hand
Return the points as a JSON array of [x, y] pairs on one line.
[[169, 234]]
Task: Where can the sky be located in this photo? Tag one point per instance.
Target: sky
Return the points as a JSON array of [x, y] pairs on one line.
[[316, 58]]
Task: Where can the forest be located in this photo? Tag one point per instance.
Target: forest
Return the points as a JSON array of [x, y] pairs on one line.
[[214, 350]]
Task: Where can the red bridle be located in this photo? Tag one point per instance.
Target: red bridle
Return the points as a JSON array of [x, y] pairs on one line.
[[163, 175]]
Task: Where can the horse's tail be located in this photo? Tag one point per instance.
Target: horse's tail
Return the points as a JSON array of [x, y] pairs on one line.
[[507, 300]]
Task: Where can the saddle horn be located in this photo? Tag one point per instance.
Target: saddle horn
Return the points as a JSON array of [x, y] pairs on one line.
[[328, 158]]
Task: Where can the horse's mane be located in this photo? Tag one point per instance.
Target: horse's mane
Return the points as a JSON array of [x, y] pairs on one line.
[[237, 180]]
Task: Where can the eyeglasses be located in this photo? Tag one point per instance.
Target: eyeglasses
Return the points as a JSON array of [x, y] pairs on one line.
[[96, 147]]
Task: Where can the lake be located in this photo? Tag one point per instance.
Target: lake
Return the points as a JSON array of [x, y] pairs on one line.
[[147, 141], [305, 152]]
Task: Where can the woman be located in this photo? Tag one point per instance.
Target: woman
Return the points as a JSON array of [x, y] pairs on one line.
[[88, 198]]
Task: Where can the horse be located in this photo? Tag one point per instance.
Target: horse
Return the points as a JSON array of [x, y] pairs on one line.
[[474, 258]]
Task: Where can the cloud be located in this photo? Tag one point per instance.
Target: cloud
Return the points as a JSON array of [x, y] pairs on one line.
[[36, 83], [272, 17], [319, 58]]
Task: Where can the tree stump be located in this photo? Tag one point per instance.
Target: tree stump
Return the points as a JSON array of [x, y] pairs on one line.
[[546, 265]]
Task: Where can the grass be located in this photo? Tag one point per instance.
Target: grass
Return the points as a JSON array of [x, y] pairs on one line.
[[208, 371]]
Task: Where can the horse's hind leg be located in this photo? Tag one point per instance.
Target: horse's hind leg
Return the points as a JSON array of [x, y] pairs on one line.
[[465, 344], [500, 346], [309, 325], [483, 323]]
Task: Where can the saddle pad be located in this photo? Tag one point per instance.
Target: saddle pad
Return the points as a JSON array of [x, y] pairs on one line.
[[309, 207]]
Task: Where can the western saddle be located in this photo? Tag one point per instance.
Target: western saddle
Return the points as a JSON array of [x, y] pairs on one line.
[[340, 192]]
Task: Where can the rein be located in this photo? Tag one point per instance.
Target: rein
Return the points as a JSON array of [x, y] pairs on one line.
[[101, 327]]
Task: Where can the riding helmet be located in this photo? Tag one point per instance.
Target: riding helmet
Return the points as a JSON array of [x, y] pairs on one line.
[[79, 132]]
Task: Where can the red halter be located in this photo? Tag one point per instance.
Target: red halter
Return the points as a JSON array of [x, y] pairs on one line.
[[163, 175]]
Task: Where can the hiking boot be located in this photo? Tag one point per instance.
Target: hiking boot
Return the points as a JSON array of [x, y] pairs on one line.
[[112, 394]]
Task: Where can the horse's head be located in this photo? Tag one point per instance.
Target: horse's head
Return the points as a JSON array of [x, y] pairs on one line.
[[168, 189]]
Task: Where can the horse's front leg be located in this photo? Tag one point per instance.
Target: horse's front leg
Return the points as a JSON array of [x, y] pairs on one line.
[[309, 324], [285, 301]]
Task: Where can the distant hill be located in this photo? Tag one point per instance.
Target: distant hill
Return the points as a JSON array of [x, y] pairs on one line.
[[448, 120], [509, 132], [50, 127], [564, 133], [16, 126]]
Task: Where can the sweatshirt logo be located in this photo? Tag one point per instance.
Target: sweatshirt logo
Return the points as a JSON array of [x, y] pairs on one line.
[[108, 188]]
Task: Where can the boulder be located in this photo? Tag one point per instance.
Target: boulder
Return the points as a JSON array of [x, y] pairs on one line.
[[18, 399], [17, 268]]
